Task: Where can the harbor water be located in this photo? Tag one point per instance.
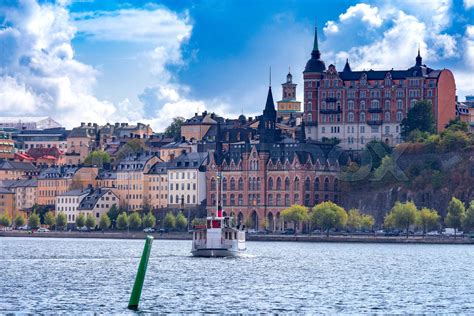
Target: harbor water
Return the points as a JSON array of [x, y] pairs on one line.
[[40, 275]]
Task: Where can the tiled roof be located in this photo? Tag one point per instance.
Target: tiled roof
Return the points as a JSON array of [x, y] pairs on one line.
[[90, 200], [189, 160], [19, 183], [17, 165]]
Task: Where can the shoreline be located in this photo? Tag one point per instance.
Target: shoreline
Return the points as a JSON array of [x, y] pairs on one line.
[[266, 238]]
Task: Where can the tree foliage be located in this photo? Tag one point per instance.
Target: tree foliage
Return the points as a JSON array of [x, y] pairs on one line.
[[134, 221], [402, 216], [34, 221], [328, 215], [80, 220], [358, 221], [374, 152], [49, 219], [122, 221], [420, 117], [104, 222], [97, 158], [149, 220], [61, 220], [295, 214], [174, 129], [114, 212], [456, 214], [5, 220], [90, 221], [427, 219], [169, 221], [19, 221], [181, 222], [468, 223]]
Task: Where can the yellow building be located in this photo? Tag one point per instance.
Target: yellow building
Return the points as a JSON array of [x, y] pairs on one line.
[[53, 182], [130, 180], [196, 127], [172, 150], [80, 142], [156, 186], [25, 193], [288, 105], [7, 203], [11, 170]]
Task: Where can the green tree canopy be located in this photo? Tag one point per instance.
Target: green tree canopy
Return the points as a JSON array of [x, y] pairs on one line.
[[80, 220], [181, 222], [134, 221], [90, 221], [113, 212], [97, 158], [457, 125], [295, 214], [374, 152], [420, 117], [49, 219], [198, 221], [169, 221], [34, 221], [5, 220], [402, 216], [122, 221], [328, 215], [174, 130], [61, 220], [468, 223], [356, 220], [19, 221], [104, 222], [456, 214], [427, 219], [149, 220], [367, 221]]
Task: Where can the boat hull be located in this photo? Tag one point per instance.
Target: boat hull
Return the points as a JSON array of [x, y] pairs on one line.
[[215, 253]]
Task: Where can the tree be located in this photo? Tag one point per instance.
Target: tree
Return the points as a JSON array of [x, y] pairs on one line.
[[181, 222], [5, 220], [402, 216], [61, 220], [174, 130], [113, 212], [97, 158], [198, 222], [367, 221], [90, 221], [419, 117], [249, 222], [19, 221], [149, 220], [328, 215], [169, 221], [134, 221], [122, 221], [456, 214], [104, 222], [33, 221], [427, 219], [295, 214], [49, 219], [374, 152], [457, 125], [354, 219], [468, 223], [80, 220]]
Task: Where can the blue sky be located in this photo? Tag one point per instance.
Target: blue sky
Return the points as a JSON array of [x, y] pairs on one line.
[[149, 61]]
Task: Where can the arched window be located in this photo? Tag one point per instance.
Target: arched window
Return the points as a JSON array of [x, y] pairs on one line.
[[350, 117], [287, 184], [278, 183], [316, 199], [297, 199], [232, 199], [374, 104], [362, 105], [399, 116], [310, 117], [362, 117], [188, 199], [213, 199], [258, 183], [241, 199], [224, 184], [399, 104], [278, 199], [270, 183], [350, 105], [270, 199], [296, 184], [387, 116], [213, 184], [224, 199], [326, 184], [241, 184], [306, 200], [250, 184], [232, 184], [387, 104], [307, 184], [287, 200], [336, 185], [316, 184], [171, 199]]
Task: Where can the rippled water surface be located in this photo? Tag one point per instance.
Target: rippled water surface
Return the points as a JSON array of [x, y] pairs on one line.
[[92, 275]]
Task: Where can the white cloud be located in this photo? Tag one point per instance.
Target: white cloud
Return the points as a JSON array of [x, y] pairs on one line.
[[469, 46], [468, 4], [364, 12], [330, 28]]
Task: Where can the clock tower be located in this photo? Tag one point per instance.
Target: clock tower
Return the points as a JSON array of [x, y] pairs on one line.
[[288, 105]]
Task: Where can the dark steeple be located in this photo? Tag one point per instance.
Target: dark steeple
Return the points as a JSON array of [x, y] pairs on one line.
[[315, 64], [269, 114], [418, 58], [302, 135], [347, 67]]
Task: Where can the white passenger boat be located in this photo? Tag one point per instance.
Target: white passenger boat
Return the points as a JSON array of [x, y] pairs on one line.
[[218, 238]]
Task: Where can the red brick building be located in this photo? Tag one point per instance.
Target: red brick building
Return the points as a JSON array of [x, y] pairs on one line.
[[262, 177], [358, 106]]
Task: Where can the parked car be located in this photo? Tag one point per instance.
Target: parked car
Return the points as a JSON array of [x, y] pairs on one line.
[[451, 232], [251, 231], [433, 233], [289, 231], [42, 230], [23, 227], [149, 230], [83, 229], [163, 230]]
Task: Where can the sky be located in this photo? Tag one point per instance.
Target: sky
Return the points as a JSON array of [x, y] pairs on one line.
[[149, 61]]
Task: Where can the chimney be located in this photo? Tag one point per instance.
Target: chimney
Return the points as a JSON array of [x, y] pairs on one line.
[[83, 124]]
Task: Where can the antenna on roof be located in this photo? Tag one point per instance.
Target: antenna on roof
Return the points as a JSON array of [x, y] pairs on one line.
[[270, 76]]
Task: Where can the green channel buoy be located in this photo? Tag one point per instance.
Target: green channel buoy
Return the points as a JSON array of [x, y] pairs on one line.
[[137, 287]]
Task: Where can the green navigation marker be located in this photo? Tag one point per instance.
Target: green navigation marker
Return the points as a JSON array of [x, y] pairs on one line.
[[137, 287]]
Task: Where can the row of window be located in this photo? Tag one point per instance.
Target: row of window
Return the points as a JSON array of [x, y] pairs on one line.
[[182, 175], [254, 184], [279, 200], [177, 199]]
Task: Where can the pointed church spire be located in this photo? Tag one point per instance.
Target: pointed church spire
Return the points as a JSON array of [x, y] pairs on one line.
[[269, 106], [347, 67], [315, 44], [418, 57]]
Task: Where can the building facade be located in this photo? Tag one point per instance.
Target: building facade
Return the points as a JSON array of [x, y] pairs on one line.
[[359, 106]]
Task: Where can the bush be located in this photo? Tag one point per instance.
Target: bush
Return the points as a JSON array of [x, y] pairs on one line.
[[134, 221], [90, 221], [122, 221], [181, 222], [104, 222], [5, 220], [169, 221], [19, 221], [149, 220], [80, 220], [34, 221], [61, 220], [49, 219]]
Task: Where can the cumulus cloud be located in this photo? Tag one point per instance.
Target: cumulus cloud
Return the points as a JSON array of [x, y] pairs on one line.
[[468, 4], [469, 46], [364, 12]]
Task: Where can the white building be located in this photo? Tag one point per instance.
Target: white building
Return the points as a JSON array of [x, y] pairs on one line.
[[98, 202], [187, 180], [68, 203]]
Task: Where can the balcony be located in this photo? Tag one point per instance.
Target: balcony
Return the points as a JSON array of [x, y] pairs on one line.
[[375, 110], [374, 122], [330, 111]]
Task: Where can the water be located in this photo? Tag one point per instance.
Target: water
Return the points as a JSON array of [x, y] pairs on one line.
[[96, 276]]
